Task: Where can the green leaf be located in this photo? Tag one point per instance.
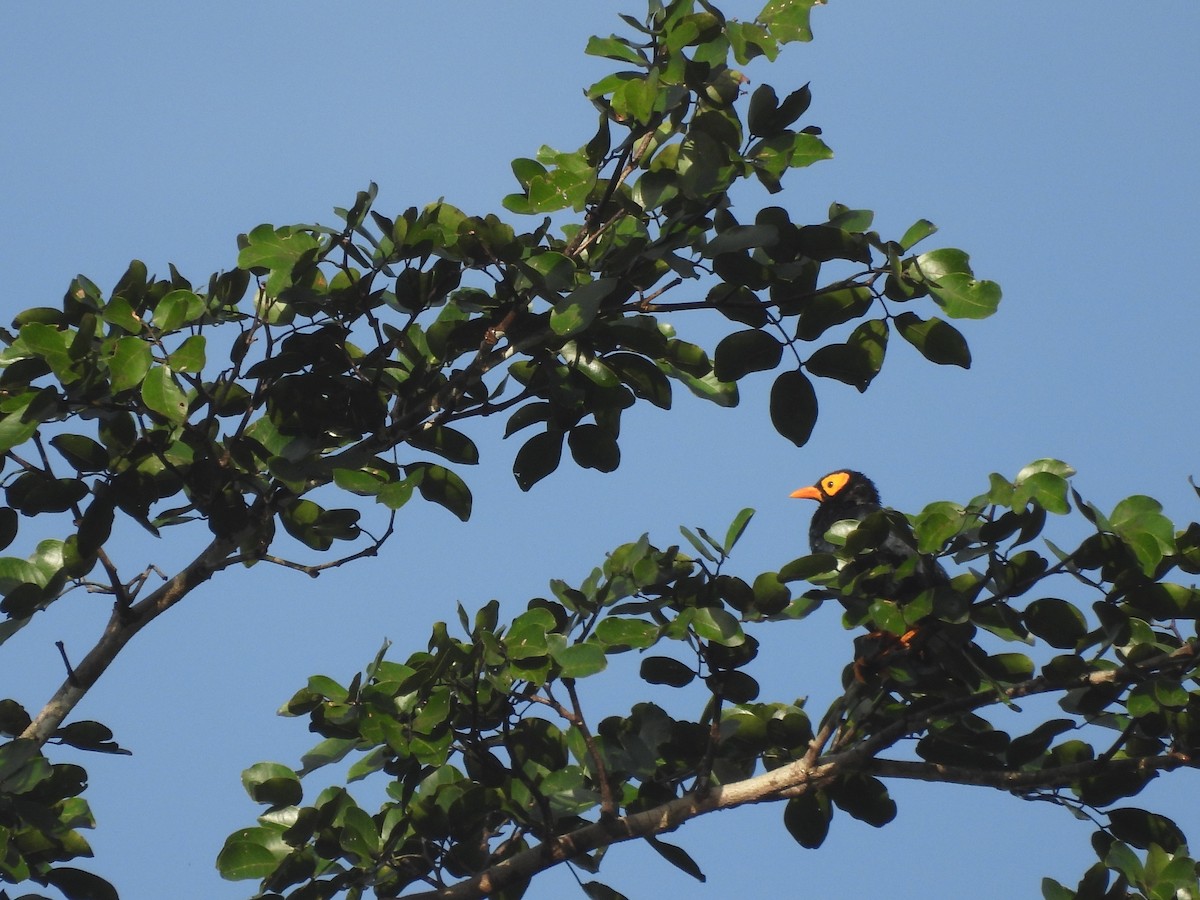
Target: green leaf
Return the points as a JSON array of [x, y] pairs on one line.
[[576, 311], [917, 232], [129, 363], [190, 355], [616, 48], [162, 395], [618, 631], [737, 527], [557, 271], [53, 346], [356, 481], [954, 287], [271, 248], [1141, 829], [937, 340], [743, 352], [793, 406], [787, 20], [1140, 523], [576, 660], [715, 624], [273, 784], [537, 458], [15, 429], [252, 853], [119, 312], [526, 638], [173, 310], [706, 387]]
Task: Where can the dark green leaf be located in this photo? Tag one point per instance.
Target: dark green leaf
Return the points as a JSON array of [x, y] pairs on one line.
[[665, 670], [826, 309], [594, 890], [733, 686], [678, 857], [447, 443], [938, 341], [1059, 623], [807, 818], [855, 362], [32, 493], [644, 378], [743, 352], [537, 458], [88, 735], [593, 447], [865, 798], [1141, 828], [793, 406], [439, 485], [76, 884]]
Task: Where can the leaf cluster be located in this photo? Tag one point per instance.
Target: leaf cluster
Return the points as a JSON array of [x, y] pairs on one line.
[[495, 769], [293, 406]]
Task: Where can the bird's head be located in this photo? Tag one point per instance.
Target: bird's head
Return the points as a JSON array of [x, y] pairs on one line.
[[845, 488]]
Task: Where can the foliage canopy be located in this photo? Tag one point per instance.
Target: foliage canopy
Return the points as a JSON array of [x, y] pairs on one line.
[[338, 368]]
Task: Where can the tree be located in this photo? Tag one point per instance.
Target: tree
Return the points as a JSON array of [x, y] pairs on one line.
[[364, 345]]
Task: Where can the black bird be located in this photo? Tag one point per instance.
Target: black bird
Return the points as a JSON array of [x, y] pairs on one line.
[[847, 494]]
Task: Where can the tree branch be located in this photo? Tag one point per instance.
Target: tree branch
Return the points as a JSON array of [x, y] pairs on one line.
[[1059, 776], [794, 779], [797, 778], [122, 625]]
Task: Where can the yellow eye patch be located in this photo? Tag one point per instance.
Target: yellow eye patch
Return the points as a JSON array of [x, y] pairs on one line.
[[834, 482]]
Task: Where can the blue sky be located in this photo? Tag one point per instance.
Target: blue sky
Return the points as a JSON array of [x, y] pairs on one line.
[[1054, 143]]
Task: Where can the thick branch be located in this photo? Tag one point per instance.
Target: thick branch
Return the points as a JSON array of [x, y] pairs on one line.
[[1059, 776], [797, 778], [790, 779], [124, 623]]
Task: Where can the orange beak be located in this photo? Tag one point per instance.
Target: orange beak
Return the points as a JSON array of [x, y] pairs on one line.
[[807, 493]]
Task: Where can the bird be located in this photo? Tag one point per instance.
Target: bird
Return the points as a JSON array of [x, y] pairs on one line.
[[882, 565]]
